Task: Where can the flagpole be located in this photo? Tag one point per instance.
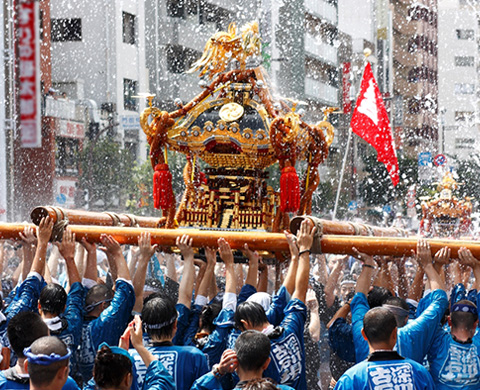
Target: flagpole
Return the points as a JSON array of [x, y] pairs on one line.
[[341, 174]]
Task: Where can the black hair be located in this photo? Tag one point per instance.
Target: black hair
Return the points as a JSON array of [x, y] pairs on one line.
[[110, 368], [377, 295], [251, 312], [397, 301], [208, 315], [53, 299], [23, 329], [260, 384], [253, 349], [97, 293], [378, 325], [400, 317], [464, 320], [43, 375], [158, 316]]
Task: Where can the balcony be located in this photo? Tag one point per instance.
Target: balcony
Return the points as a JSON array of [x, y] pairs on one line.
[[321, 50], [60, 108], [319, 90], [322, 9]]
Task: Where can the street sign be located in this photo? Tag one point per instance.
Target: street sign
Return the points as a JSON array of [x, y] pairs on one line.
[[61, 199], [424, 159], [352, 206], [439, 160]]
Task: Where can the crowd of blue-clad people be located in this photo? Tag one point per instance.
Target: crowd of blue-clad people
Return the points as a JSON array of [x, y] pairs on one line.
[[78, 315]]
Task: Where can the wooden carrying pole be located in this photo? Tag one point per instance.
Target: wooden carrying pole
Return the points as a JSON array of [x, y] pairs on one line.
[[81, 217], [389, 246]]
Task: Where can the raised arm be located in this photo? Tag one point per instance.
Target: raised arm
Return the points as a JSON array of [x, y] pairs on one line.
[[465, 257], [227, 257], [185, 291], [262, 285], [314, 326], [29, 242], [91, 272], [44, 232], [253, 259], [115, 257], [289, 281], [341, 313], [211, 255], [415, 291], [383, 277], [365, 279], [305, 241], [145, 253], [67, 250], [332, 280], [424, 259]]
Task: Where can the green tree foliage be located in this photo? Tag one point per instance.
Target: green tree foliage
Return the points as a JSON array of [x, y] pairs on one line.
[[106, 172], [468, 178], [377, 188]]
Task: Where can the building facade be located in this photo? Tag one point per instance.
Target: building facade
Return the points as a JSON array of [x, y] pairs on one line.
[[415, 74], [458, 62]]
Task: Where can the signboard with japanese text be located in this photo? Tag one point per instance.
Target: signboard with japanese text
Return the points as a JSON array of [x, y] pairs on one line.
[[130, 122], [65, 192], [70, 129], [29, 75]]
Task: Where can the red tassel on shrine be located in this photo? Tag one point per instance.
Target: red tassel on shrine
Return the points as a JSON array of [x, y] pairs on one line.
[[289, 190], [162, 187]]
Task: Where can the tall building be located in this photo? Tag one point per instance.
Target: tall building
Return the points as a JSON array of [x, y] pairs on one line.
[[49, 128], [176, 32], [98, 59], [458, 61], [415, 74]]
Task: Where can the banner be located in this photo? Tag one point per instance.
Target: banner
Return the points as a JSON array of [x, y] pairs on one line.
[[29, 77]]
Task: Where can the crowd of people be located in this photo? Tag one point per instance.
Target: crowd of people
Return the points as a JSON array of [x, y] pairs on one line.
[[134, 317]]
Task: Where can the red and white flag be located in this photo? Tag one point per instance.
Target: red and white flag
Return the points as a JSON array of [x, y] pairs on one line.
[[370, 122]]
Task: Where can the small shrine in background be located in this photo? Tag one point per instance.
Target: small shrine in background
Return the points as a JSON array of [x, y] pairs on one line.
[[444, 215]]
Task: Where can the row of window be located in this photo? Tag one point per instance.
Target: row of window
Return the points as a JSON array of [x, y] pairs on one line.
[[421, 12], [70, 30], [464, 61], [416, 105], [418, 73], [422, 42], [468, 35], [207, 13], [464, 89]]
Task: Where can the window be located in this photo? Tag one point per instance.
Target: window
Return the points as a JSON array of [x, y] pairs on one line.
[[66, 156], [209, 13], [41, 30], [129, 22], [464, 89], [180, 59], [463, 116], [464, 61], [468, 35], [176, 8], [129, 90], [64, 30]]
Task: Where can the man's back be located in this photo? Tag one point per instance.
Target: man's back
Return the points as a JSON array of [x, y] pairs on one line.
[[453, 364], [183, 363], [386, 370]]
